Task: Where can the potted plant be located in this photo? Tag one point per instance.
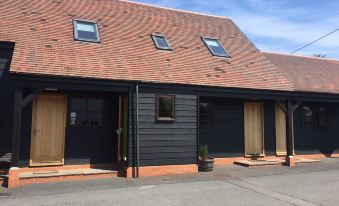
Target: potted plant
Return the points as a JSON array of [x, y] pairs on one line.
[[205, 163]]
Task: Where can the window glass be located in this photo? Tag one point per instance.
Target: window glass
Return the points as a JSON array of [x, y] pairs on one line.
[[165, 110], [161, 42], [95, 105], [78, 104], [3, 63], [322, 117], [307, 117], [88, 112], [87, 31], [215, 47], [206, 115]]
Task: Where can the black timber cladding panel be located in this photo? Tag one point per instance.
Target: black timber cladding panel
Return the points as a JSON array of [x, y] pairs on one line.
[[226, 137], [166, 143], [318, 140], [6, 114]]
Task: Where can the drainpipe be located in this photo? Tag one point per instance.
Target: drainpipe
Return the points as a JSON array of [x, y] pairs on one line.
[[137, 129]]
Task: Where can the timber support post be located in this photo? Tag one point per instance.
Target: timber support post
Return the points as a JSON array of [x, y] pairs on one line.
[[290, 109], [13, 177]]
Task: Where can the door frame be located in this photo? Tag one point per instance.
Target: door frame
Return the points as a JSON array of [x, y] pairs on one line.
[[263, 131], [33, 164]]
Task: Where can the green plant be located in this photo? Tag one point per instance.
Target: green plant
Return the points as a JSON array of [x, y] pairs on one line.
[[203, 152]]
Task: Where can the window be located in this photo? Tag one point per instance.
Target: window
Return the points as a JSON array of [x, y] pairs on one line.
[[161, 42], [3, 63], [86, 31], [307, 117], [206, 115], [313, 117], [86, 112], [6, 53], [165, 107], [215, 47]]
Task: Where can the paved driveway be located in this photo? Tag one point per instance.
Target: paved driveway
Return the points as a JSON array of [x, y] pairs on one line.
[[306, 185]]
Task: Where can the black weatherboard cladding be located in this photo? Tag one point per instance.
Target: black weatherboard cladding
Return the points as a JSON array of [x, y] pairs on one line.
[[226, 137], [318, 140], [167, 142]]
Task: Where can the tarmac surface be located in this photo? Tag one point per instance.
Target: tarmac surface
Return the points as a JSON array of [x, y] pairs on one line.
[[304, 185]]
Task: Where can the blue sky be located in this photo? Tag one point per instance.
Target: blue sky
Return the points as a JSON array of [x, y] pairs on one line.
[[275, 25]]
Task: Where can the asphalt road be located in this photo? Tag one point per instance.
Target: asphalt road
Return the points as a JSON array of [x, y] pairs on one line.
[[305, 185]]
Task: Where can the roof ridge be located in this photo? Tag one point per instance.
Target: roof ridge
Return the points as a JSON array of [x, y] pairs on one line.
[[178, 10], [302, 56]]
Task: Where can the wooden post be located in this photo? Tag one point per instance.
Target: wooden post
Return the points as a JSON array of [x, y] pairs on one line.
[[290, 109], [13, 175], [16, 127]]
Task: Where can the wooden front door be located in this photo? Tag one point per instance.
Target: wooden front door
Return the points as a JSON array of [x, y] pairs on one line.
[[254, 129], [280, 131], [48, 130]]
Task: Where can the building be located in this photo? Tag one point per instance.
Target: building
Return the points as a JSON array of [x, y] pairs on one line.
[[137, 88]]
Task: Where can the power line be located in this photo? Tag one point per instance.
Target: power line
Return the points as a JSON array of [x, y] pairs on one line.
[[316, 40]]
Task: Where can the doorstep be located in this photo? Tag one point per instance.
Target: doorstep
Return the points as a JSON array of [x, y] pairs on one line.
[[268, 162], [259, 162], [45, 176]]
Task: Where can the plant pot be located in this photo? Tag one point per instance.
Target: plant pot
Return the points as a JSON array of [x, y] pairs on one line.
[[206, 165]]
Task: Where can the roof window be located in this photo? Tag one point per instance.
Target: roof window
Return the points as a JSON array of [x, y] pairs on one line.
[[86, 31], [161, 42], [215, 47]]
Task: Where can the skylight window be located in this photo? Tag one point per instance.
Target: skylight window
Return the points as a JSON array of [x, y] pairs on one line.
[[86, 31], [215, 47], [161, 42]]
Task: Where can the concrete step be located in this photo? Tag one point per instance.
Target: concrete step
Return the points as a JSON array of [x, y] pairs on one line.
[[61, 173]]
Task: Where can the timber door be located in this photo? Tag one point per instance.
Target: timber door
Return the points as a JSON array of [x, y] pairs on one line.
[[254, 129], [280, 130], [48, 130]]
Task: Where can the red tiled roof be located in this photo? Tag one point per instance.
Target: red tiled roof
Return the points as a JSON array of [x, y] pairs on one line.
[[309, 74], [43, 32]]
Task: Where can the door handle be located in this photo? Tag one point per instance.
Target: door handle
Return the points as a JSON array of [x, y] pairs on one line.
[[35, 131], [119, 131]]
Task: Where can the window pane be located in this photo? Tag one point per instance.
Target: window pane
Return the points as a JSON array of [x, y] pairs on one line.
[[95, 105], [307, 117], [3, 62], [87, 31], [78, 104], [95, 119], [165, 107], [322, 117], [215, 47], [78, 119], [161, 42], [206, 115]]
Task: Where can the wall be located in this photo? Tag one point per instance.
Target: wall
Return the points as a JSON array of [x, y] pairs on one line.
[[82, 145], [318, 140], [166, 143], [226, 137]]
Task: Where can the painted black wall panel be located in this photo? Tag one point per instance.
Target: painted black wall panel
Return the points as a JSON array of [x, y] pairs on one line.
[[269, 129], [165, 143], [226, 137], [318, 140]]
